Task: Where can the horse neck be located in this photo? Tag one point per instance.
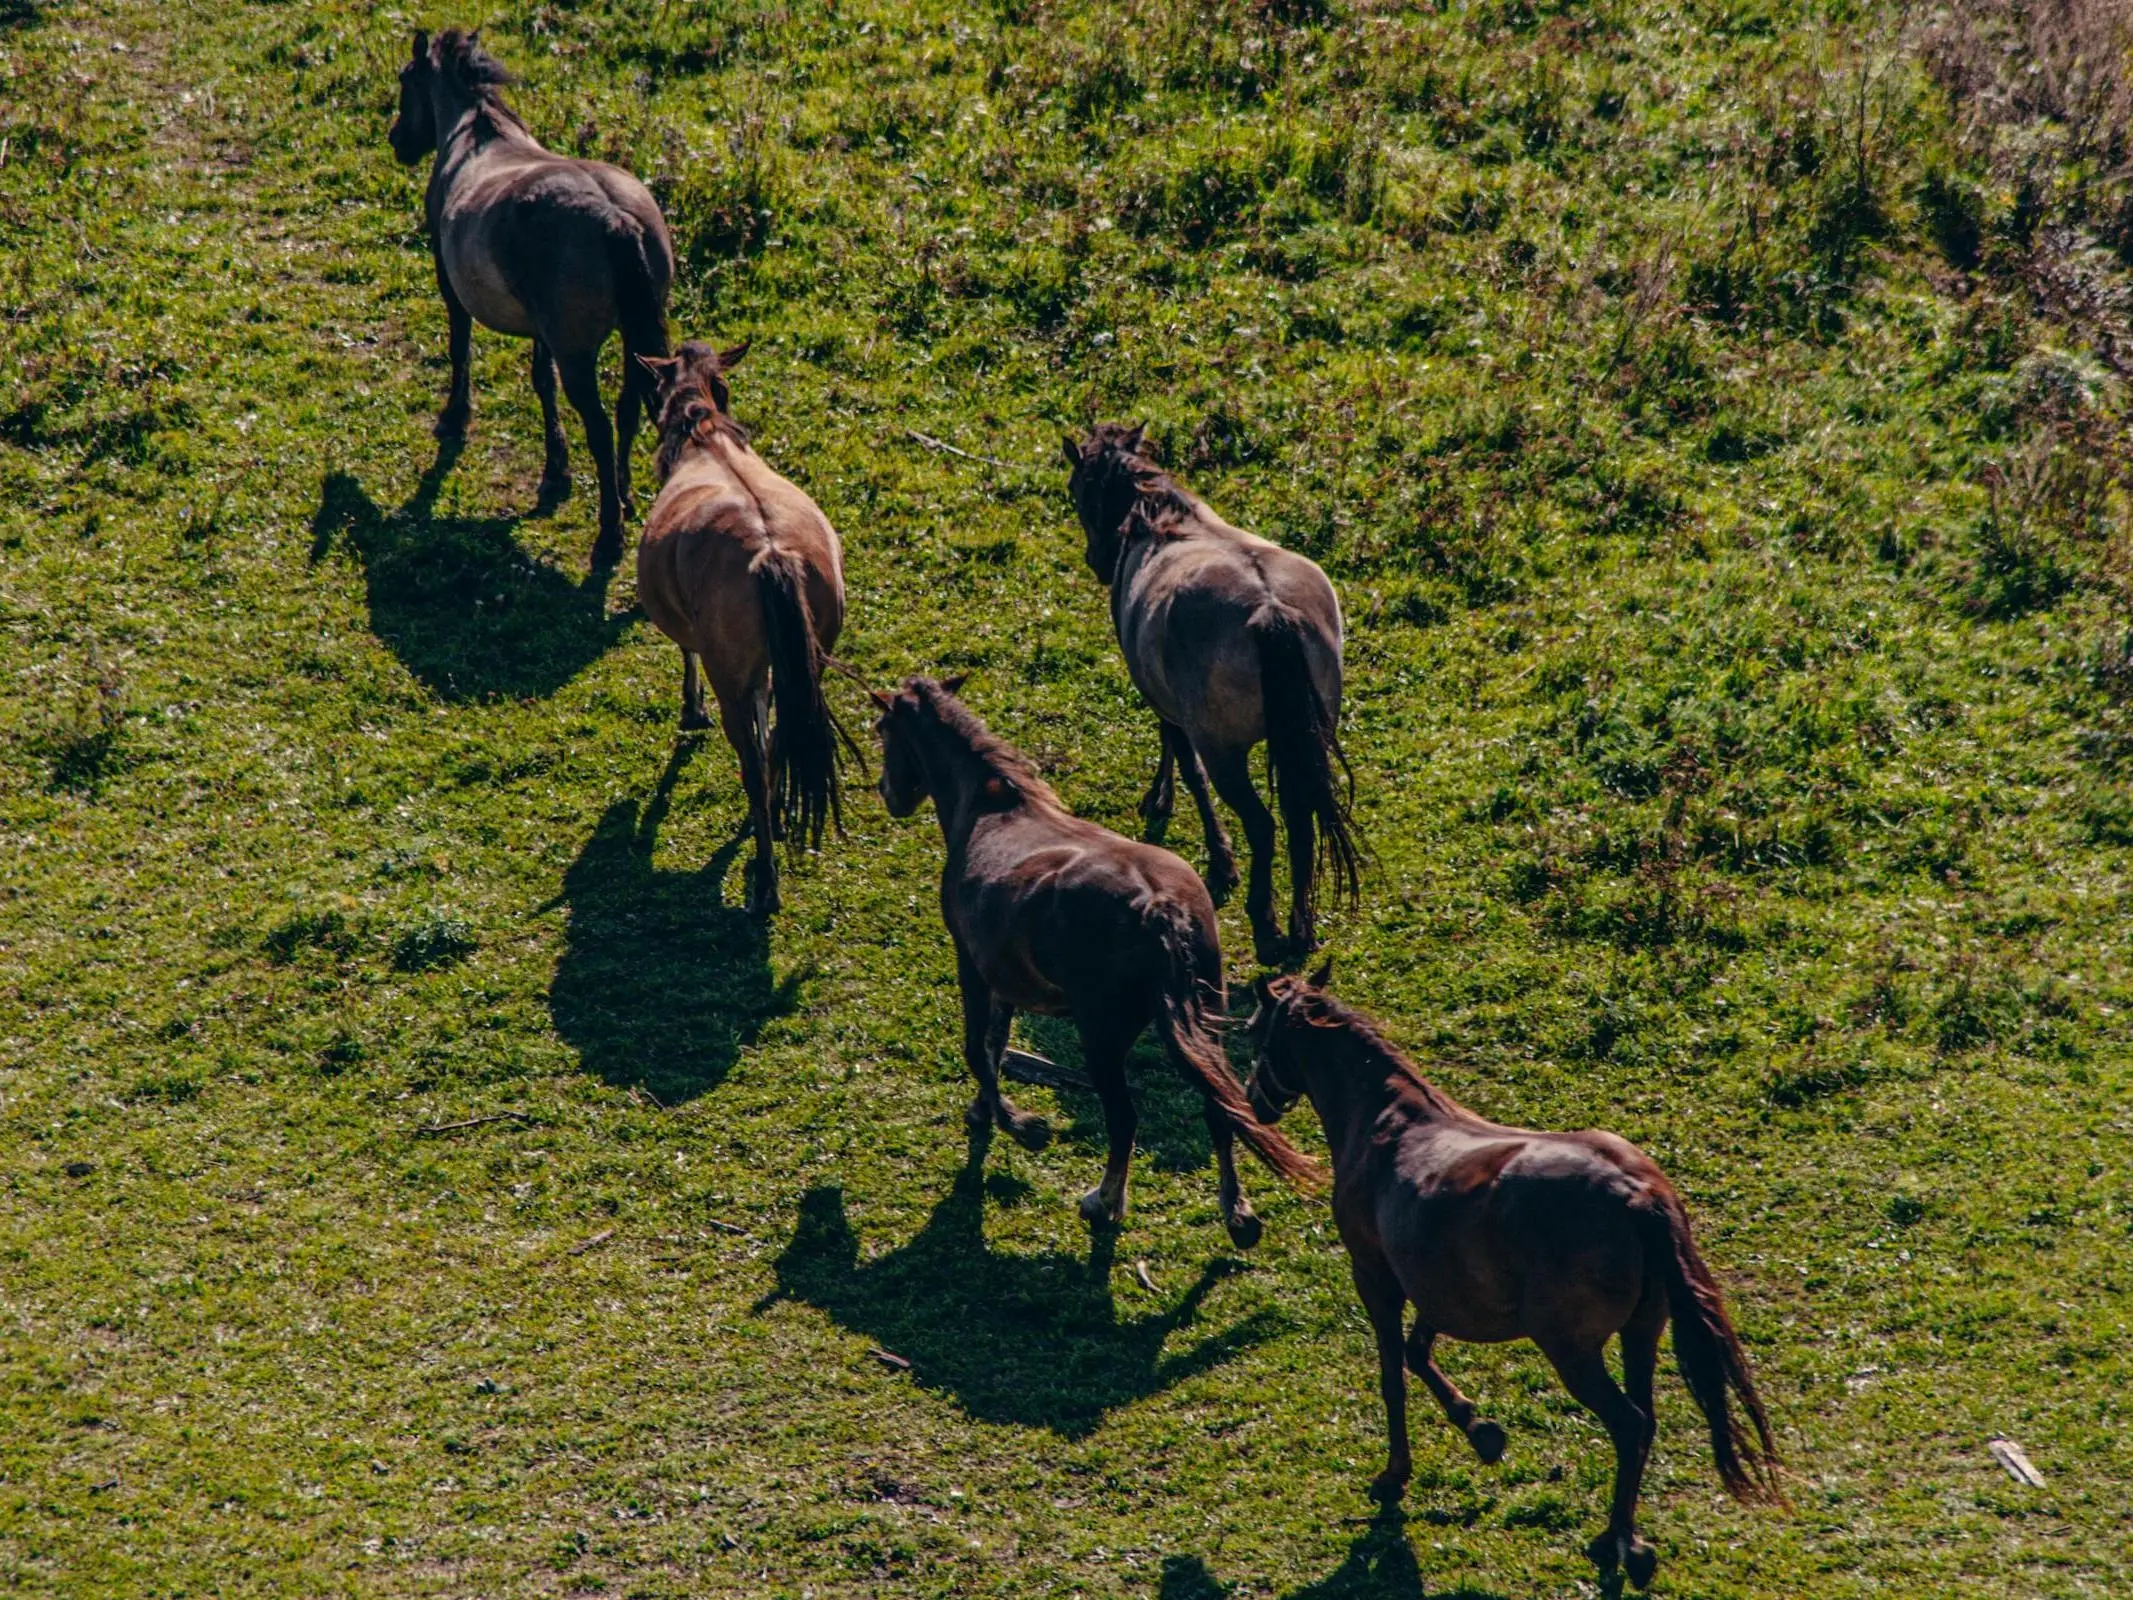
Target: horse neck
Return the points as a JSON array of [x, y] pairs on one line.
[[1351, 1079], [956, 776], [462, 117]]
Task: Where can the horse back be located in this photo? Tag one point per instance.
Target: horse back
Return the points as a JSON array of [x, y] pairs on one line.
[[1187, 615], [1060, 914], [1499, 1233]]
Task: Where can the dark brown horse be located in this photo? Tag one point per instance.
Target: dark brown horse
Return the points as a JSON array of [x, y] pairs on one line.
[[743, 571], [1058, 916], [539, 245], [1232, 640], [1498, 1233]]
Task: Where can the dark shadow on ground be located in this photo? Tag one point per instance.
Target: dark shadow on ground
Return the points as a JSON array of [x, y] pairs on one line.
[[1035, 1341], [20, 14], [1380, 1565], [466, 610], [662, 983]]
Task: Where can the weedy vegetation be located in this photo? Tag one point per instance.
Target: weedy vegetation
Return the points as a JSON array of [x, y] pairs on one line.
[[421, 1176]]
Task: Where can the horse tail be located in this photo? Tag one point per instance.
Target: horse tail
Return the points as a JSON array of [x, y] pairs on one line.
[[1181, 1016], [1303, 747], [804, 788], [640, 304], [1712, 1362]]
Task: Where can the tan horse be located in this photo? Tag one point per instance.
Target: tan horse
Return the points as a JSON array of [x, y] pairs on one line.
[[539, 245], [1499, 1233], [1232, 640], [1058, 916], [742, 571]]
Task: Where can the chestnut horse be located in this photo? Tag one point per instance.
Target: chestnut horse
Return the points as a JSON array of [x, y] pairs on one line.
[[1499, 1233], [743, 571], [1232, 640], [1052, 914], [539, 245]]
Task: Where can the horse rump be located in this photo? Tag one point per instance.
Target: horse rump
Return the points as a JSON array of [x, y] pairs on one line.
[[1182, 1020], [804, 759], [640, 305], [1303, 747], [1709, 1353]]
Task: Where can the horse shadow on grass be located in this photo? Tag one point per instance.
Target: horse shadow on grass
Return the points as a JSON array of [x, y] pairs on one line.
[[662, 982], [467, 611], [1035, 1341], [1380, 1565]]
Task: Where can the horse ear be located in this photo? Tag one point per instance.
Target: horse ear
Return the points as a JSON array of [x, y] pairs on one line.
[[883, 700], [952, 684], [1137, 438], [1324, 974], [729, 359], [1073, 450], [422, 45], [660, 367]]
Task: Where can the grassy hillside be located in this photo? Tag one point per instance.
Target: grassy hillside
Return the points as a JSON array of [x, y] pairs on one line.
[[1713, 417]]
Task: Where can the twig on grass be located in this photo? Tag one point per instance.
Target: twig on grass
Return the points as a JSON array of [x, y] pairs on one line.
[[1024, 1067], [436, 1128], [943, 445], [593, 1243]]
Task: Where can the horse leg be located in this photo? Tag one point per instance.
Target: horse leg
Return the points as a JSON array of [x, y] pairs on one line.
[[1384, 1302], [636, 393], [452, 420], [737, 716], [986, 1019], [1104, 1054], [694, 718], [1221, 859], [1231, 773], [1237, 1215], [555, 450], [1486, 1438], [1162, 793], [1584, 1373], [1640, 1359], [581, 382]]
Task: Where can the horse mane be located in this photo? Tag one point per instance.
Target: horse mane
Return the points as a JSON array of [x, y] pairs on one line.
[[1000, 759], [1321, 1010], [1160, 505], [699, 422], [462, 58]]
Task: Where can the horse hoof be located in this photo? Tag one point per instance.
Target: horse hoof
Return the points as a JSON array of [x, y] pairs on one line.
[[1220, 884], [694, 722], [449, 427], [1641, 1562], [554, 486], [1244, 1230], [607, 549], [1488, 1442], [1029, 1130], [1605, 1552], [1096, 1211], [1389, 1486]]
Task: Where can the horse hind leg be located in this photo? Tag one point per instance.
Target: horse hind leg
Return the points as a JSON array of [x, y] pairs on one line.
[[1237, 1215], [555, 449], [1162, 795], [1385, 1303], [635, 398], [1221, 859], [694, 718], [581, 383], [1104, 1054], [1584, 1373], [451, 422], [1231, 773], [737, 716], [1486, 1437], [986, 1020]]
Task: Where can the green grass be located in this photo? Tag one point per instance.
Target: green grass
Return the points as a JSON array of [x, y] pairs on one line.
[[1725, 498]]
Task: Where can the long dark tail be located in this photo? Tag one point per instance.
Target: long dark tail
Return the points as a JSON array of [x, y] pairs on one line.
[[1303, 747], [1182, 1018], [804, 735], [639, 303], [1712, 1362]]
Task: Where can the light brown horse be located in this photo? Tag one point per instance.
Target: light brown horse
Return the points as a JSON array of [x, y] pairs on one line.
[[1499, 1233], [743, 571], [1052, 914], [539, 245], [1232, 640]]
